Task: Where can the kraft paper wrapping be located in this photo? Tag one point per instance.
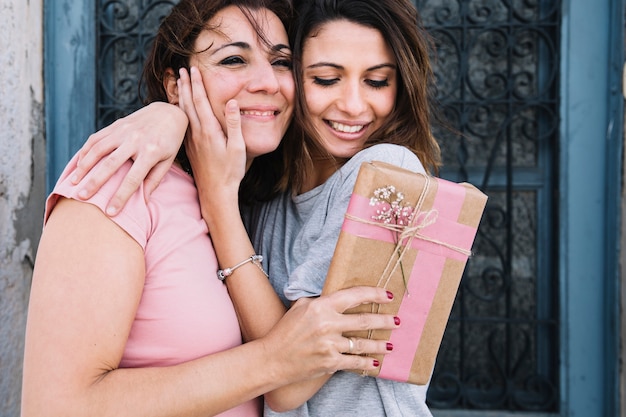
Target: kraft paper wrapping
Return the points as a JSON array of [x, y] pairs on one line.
[[423, 270]]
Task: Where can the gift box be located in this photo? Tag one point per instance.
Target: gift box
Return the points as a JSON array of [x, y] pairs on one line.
[[412, 234]]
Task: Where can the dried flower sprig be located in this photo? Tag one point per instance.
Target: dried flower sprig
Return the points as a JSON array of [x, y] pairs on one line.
[[392, 210]]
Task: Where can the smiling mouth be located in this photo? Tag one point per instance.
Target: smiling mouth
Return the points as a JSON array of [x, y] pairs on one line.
[[343, 128], [258, 113]]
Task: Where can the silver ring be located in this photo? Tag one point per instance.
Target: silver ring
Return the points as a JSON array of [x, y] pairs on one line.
[[351, 345]]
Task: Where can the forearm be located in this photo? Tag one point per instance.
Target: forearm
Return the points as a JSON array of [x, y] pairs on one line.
[[203, 387], [294, 395], [255, 300]]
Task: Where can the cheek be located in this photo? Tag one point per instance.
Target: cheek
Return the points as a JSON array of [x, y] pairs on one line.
[[288, 88], [218, 107], [315, 100], [218, 97], [385, 103], [221, 86]]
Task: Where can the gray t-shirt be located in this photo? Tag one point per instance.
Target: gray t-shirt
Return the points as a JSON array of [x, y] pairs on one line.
[[296, 236]]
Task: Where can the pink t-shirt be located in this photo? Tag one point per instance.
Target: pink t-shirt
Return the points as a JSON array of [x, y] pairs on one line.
[[185, 311]]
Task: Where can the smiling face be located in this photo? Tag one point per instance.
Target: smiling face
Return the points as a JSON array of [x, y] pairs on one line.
[[237, 64], [350, 84]]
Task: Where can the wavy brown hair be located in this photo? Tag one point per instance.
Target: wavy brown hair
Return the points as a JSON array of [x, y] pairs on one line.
[[174, 42], [409, 124]]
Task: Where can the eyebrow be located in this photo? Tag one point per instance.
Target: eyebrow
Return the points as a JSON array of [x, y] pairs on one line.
[[242, 45], [245, 45], [341, 67]]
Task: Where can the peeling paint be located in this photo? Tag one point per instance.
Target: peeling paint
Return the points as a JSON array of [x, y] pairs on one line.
[[22, 182]]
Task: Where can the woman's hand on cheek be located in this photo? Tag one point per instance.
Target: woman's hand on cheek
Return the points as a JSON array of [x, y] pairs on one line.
[[218, 160], [151, 137]]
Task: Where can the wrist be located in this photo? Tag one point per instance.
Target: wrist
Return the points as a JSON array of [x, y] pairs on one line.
[[278, 372], [220, 206], [172, 109], [220, 211]]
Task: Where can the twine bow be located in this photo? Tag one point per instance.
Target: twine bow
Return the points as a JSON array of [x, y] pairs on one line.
[[405, 235]]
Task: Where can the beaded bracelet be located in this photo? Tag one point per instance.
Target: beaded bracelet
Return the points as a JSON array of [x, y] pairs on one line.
[[255, 259]]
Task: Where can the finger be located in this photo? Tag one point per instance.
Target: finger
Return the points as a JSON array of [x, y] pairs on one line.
[[92, 140], [233, 127], [345, 299], [357, 362], [185, 99], [102, 172], [361, 346], [96, 149], [154, 178], [130, 184], [209, 124], [367, 321]]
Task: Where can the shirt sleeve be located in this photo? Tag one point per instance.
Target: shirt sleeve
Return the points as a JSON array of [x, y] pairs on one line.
[[134, 218], [307, 279]]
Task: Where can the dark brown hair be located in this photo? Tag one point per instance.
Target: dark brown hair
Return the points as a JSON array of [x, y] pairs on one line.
[[409, 124], [173, 44]]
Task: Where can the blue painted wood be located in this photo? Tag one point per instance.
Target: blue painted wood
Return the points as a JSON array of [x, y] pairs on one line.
[[586, 192], [70, 80], [614, 164]]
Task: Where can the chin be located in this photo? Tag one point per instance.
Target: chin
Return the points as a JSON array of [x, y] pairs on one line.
[[259, 143], [346, 153], [261, 148]]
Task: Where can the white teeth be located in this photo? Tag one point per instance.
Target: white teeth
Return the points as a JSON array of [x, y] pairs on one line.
[[346, 128], [257, 113]]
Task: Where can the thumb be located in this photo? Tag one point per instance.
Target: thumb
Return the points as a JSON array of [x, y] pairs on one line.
[[233, 125]]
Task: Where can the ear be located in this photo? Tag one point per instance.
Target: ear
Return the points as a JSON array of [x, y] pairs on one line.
[[171, 88]]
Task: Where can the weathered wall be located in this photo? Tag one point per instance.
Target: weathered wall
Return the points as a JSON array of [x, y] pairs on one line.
[[22, 170]]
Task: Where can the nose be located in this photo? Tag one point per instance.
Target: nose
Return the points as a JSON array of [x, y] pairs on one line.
[[352, 99], [264, 79]]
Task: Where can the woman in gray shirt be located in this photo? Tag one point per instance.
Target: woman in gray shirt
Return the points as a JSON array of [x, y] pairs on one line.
[[363, 79]]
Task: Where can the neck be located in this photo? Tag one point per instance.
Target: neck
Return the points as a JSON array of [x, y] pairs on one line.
[[319, 172]]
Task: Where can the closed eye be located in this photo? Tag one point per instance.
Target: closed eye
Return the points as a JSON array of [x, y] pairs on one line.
[[325, 82], [283, 62], [232, 60], [378, 83]]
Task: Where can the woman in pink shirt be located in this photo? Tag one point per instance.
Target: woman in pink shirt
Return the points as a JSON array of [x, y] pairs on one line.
[[126, 316]]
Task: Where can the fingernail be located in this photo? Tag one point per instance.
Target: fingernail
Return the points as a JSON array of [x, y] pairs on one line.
[[390, 295], [389, 346], [82, 194], [111, 211], [376, 363], [74, 179], [396, 320]]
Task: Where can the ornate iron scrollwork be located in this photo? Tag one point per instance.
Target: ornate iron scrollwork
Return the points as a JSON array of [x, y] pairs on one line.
[[126, 29], [497, 67]]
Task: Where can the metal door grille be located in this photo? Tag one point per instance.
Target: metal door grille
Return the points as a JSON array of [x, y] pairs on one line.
[[126, 29], [497, 68]]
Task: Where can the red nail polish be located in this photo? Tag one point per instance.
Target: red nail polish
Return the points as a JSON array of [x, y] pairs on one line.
[[390, 295], [376, 363], [396, 320], [389, 346]]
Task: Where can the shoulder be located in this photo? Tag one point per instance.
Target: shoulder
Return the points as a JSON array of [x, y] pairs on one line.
[[134, 218], [389, 153]]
